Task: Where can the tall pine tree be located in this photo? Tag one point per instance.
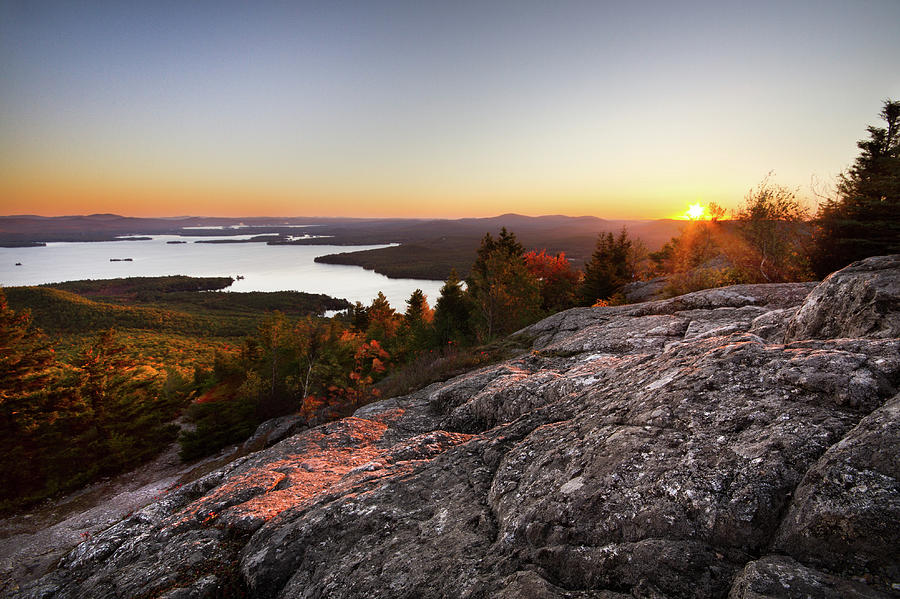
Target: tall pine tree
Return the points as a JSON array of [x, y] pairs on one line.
[[864, 219], [452, 313], [505, 294]]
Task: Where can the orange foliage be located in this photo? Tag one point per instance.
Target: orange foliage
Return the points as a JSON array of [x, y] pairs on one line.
[[557, 278]]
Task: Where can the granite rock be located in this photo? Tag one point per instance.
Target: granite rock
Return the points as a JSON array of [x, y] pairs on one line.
[[737, 442]]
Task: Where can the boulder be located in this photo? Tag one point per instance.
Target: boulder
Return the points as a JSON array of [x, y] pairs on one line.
[[862, 300]]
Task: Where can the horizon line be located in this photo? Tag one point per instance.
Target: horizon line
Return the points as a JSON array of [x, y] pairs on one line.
[[411, 218]]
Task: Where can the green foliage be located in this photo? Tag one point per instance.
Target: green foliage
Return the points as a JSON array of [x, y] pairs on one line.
[[100, 415], [864, 218], [25, 356], [608, 270], [60, 311], [146, 287], [161, 305], [440, 364], [382, 321], [217, 424], [315, 366], [453, 314], [416, 329], [506, 295], [430, 260]]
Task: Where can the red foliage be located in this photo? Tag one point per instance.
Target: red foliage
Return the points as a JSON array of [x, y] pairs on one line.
[[558, 279]]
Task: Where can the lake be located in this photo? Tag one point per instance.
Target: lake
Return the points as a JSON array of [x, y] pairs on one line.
[[264, 267]]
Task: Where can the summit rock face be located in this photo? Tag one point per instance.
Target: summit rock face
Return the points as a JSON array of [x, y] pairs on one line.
[[739, 442]]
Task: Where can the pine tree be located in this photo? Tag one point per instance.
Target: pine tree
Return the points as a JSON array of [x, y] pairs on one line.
[[25, 358], [505, 295], [608, 269], [452, 313], [417, 328], [864, 219], [382, 320]]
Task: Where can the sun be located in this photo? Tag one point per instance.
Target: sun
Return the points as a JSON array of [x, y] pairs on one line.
[[695, 212]]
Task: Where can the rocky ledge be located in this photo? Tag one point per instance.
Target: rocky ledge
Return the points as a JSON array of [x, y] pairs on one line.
[[738, 442]]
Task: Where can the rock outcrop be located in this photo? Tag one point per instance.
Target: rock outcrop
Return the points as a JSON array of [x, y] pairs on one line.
[[738, 442]]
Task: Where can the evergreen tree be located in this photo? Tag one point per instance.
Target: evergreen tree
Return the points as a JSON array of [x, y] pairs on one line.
[[864, 219], [608, 269], [25, 369], [359, 317], [126, 415], [382, 320], [452, 313], [274, 342], [505, 295], [416, 328]]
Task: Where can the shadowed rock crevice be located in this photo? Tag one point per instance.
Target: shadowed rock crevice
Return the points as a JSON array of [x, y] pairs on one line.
[[735, 442]]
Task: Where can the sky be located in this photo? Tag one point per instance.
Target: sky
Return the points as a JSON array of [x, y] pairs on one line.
[[432, 109]]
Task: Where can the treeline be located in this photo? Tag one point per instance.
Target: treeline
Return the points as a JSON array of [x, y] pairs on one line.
[[181, 293], [161, 305], [134, 287], [433, 259], [65, 312]]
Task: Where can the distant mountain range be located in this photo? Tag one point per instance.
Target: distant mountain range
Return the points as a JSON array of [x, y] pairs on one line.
[[104, 227]]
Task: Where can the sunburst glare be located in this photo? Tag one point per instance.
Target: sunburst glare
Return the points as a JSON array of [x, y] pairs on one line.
[[695, 212]]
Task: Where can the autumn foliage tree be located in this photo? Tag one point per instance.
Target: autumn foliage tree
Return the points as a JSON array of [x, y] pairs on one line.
[[26, 362], [382, 320], [97, 414], [130, 418], [774, 237], [557, 278]]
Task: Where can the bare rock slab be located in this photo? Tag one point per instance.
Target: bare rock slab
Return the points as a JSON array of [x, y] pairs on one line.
[[738, 442]]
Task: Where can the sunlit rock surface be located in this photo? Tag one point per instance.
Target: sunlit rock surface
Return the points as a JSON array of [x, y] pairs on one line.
[[739, 442]]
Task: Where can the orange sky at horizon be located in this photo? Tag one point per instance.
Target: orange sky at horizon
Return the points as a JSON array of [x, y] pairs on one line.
[[619, 111], [163, 201]]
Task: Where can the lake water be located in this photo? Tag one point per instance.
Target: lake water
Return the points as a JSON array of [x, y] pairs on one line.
[[264, 267]]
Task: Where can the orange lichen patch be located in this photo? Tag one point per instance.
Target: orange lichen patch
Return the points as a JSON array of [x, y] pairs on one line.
[[321, 458], [336, 458], [389, 416], [426, 446]]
